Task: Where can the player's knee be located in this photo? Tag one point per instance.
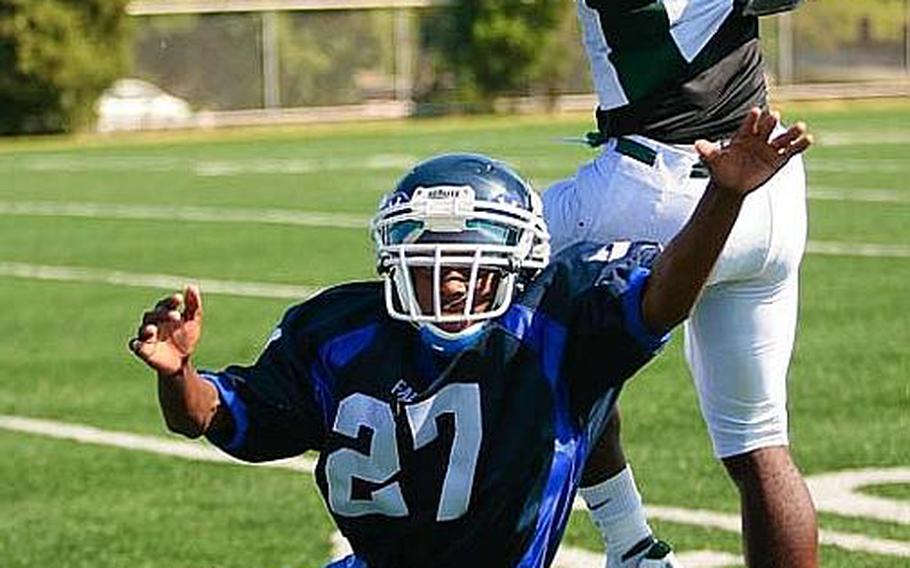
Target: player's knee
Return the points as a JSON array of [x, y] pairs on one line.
[[759, 465]]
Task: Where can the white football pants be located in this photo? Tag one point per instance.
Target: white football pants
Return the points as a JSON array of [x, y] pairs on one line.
[[739, 338]]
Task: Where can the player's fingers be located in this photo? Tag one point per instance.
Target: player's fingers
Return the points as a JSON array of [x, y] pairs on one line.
[[152, 317], [800, 145], [148, 333], [135, 345], [143, 349], [783, 141], [750, 123], [172, 302], [193, 311], [767, 122], [707, 151]]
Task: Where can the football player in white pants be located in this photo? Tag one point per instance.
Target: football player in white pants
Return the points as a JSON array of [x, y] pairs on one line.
[[668, 74]]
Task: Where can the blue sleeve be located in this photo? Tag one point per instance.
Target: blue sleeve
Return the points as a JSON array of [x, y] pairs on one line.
[[274, 411], [622, 272], [633, 316], [608, 339]]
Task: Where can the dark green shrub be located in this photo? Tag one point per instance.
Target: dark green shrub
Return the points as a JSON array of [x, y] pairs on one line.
[[56, 58]]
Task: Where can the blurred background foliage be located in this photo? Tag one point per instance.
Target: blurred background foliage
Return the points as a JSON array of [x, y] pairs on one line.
[[56, 58]]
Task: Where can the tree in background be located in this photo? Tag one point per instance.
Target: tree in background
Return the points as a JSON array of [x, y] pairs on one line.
[[320, 66], [56, 58], [496, 46], [830, 24]]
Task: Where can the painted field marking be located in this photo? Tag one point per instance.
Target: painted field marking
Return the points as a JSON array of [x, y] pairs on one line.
[[570, 557], [186, 449], [197, 451], [291, 292], [834, 248], [859, 138], [296, 217], [858, 166], [573, 557], [838, 492], [226, 168], [195, 214], [864, 195], [157, 281], [204, 167]]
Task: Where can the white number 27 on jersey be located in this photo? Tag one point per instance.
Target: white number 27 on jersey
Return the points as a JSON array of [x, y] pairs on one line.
[[357, 411]]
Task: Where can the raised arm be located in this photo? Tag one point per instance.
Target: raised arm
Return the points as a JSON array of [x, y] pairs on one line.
[[748, 161], [166, 340]]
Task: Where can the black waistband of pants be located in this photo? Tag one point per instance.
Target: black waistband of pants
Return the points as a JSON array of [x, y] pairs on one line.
[[646, 155], [626, 121]]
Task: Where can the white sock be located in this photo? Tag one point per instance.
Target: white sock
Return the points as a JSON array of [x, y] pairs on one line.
[[615, 507]]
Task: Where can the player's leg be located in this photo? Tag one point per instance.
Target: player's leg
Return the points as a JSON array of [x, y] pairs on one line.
[[738, 344], [615, 506], [733, 342], [616, 197], [779, 525]]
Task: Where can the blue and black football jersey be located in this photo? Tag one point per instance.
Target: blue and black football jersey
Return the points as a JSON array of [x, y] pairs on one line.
[[430, 460]]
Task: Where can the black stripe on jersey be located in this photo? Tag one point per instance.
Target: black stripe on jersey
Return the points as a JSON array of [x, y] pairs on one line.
[[679, 102]]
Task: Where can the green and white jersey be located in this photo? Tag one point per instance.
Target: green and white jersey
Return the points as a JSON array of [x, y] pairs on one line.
[[675, 70]]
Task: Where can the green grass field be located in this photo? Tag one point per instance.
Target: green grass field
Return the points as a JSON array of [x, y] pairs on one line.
[[64, 356]]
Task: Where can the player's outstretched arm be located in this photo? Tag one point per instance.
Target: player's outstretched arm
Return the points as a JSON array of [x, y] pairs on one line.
[[166, 341], [737, 169]]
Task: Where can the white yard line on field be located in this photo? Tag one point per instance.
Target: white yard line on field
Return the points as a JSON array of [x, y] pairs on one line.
[[70, 163], [298, 217], [196, 451], [572, 557], [291, 292], [227, 168], [196, 214], [858, 166], [834, 248], [839, 492], [859, 138], [864, 195], [157, 281]]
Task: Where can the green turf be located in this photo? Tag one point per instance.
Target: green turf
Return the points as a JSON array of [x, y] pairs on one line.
[[72, 505], [64, 356], [894, 491], [255, 253]]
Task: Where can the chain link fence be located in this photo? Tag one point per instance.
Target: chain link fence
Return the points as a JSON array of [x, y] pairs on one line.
[[328, 58]]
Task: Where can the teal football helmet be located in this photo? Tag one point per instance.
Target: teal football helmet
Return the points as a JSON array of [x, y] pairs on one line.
[[458, 210]]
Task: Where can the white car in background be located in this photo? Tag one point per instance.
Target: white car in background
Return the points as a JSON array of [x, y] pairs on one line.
[[134, 104]]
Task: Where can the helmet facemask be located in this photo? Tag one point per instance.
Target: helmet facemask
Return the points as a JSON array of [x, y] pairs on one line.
[[444, 228]]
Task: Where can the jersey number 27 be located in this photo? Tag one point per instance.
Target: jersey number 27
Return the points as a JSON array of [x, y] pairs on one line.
[[461, 400]]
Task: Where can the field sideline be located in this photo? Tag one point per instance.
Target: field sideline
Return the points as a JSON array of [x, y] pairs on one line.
[[93, 229]]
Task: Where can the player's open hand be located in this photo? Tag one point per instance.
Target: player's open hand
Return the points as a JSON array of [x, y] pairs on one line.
[[752, 157], [169, 333]]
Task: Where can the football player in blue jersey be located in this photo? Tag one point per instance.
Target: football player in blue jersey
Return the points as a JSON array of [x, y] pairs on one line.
[[453, 404]]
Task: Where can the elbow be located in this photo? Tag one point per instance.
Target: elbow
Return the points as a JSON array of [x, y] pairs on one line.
[[188, 426], [661, 317]]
